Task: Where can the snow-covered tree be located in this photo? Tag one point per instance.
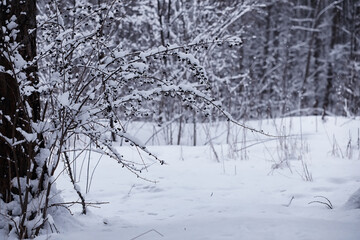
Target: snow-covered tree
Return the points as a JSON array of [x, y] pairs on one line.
[[24, 175], [80, 84]]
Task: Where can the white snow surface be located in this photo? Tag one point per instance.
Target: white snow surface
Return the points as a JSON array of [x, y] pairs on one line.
[[197, 197]]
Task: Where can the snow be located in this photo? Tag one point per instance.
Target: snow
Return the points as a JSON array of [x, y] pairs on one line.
[[144, 55], [191, 58], [30, 137], [64, 99], [354, 200], [194, 196], [141, 67], [19, 61], [120, 54], [12, 24]]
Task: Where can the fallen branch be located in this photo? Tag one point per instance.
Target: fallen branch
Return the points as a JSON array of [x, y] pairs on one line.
[[65, 204]]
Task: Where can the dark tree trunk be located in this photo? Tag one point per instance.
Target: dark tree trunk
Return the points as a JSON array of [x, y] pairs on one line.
[[330, 74], [17, 161], [317, 79], [304, 100], [12, 105], [10, 156]]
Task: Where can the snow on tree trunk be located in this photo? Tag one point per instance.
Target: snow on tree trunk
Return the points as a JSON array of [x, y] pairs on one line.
[[21, 181]]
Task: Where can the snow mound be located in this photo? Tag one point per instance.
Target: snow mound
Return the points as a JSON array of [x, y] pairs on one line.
[[354, 201]]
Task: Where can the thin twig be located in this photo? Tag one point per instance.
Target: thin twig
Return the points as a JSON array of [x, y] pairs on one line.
[[325, 199], [77, 202], [151, 230], [288, 205], [328, 203]]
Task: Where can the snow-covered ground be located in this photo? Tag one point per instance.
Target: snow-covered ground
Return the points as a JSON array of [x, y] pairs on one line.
[[229, 191]]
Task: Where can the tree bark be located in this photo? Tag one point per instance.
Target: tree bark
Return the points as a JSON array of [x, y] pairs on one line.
[[330, 74], [17, 111], [304, 101]]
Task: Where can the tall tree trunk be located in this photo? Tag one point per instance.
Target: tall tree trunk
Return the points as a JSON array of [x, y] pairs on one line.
[[317, 92], [330, 75], [304, 101], [17, 111], [13, 111]]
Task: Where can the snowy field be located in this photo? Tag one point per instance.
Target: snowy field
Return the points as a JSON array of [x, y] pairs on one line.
[[254, 187]]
